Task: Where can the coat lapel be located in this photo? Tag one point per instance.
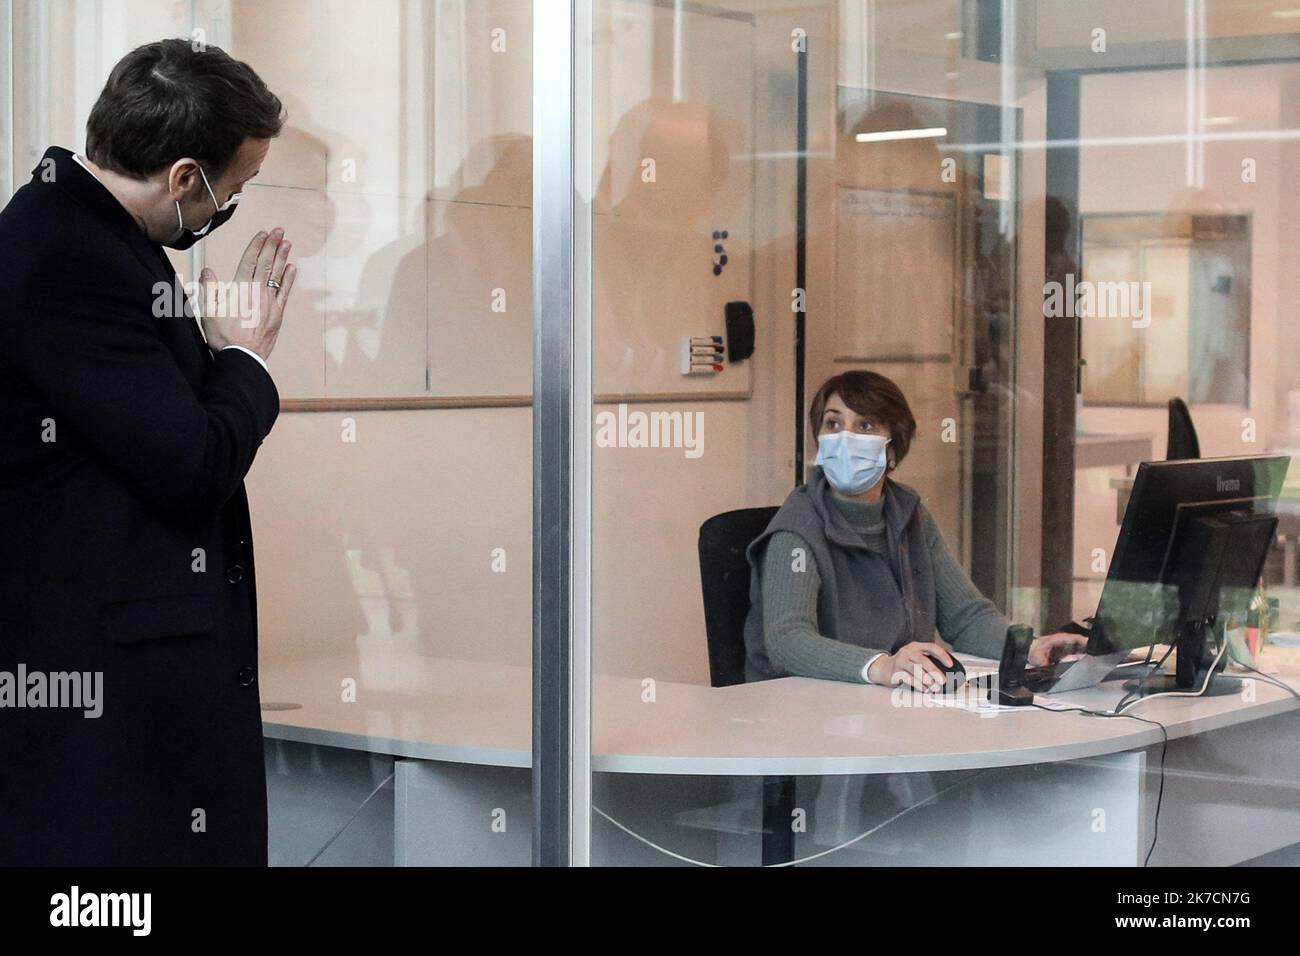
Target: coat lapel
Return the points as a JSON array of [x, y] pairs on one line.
[[180, 332]]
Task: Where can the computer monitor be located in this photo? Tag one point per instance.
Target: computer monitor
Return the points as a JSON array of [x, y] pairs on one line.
[[1193, 541]]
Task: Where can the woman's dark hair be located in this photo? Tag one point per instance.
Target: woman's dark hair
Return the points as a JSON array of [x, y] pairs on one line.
[[872, 395], [174, 98]]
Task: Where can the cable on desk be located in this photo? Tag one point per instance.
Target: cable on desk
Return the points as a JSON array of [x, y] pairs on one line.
[[330, 842], [803, 859], [1125, 703], [1149, 673], [1209, 674], [1117, 712], [1164, 748], [650, 843], [1268, 678]]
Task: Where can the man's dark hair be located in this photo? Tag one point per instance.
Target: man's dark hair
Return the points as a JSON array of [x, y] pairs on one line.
[[169, 99]]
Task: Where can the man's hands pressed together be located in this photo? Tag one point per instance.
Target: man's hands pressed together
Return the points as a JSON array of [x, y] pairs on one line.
[[247, 312]]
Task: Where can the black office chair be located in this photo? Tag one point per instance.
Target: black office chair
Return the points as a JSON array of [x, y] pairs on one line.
[[724, 582], [1182, 441]]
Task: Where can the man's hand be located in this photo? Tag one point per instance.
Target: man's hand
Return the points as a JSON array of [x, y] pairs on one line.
[[913, 665], [248, 311], [1050, 648]]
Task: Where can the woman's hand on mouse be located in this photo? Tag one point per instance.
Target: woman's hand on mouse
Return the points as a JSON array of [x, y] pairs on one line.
[[918, 665], [1050, 648]]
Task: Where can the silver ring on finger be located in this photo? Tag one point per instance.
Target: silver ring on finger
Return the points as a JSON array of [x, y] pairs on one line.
[[272, 283]]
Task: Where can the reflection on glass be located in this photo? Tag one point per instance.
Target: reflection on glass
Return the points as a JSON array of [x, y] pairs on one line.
[[1041, 221], [1166, 309], [934, 192], [393, 553]]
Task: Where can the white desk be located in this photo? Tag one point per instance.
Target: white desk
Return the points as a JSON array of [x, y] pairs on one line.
[[683, 771]]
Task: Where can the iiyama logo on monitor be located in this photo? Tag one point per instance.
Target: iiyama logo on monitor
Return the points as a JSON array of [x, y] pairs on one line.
[[1227, 484]]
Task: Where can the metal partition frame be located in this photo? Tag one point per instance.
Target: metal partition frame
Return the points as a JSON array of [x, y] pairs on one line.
[[561, 778], [9, 160]]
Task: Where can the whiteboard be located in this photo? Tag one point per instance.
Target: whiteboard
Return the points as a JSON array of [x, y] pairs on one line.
[[895, 274]]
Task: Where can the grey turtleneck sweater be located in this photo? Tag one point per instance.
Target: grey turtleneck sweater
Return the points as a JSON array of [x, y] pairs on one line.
[[966, 619]]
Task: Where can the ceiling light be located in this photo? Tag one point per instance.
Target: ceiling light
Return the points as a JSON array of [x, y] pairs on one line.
[[885, 135]]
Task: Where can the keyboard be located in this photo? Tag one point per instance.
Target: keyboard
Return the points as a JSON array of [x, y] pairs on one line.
[[1038, 679], [1041, 679]]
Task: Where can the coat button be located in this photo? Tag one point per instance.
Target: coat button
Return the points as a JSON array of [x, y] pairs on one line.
[[234, 573], [246, 676]]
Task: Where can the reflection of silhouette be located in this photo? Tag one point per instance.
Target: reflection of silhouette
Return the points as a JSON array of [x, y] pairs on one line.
[[457, 250], [917, 288], [685, 144], [447, 263], [902, 163], [303, 594], [653, 251], [456, 253], [306, 145]]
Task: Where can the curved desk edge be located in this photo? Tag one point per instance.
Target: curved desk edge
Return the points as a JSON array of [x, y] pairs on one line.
[[1143, 735]]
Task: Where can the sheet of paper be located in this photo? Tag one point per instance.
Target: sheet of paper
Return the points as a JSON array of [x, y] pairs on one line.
[[984, 708]]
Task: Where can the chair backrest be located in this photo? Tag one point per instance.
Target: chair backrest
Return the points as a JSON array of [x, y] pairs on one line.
[[1182, 441], [724, 581]]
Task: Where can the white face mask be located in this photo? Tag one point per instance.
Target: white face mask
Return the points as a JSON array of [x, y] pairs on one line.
[[852, 463]]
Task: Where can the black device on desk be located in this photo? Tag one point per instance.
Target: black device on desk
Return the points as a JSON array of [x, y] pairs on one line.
[[1189, 552], [1010, 688]]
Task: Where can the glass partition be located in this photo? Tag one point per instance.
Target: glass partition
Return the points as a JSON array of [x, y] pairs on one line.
[[931, 208], [396, 586], [896, 323]]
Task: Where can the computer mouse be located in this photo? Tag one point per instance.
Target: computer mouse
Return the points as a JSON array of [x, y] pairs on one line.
[[955, 675]]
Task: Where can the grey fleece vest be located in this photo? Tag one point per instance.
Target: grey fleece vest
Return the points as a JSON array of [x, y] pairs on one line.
[[864, 600]]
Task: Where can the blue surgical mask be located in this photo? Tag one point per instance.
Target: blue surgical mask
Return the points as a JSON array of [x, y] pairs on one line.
[[852, 463]]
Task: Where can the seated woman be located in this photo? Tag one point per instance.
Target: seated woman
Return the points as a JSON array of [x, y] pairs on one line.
[[852, 578]]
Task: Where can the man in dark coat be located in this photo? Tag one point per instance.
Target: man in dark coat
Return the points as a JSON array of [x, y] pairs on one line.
[[130, 729]]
